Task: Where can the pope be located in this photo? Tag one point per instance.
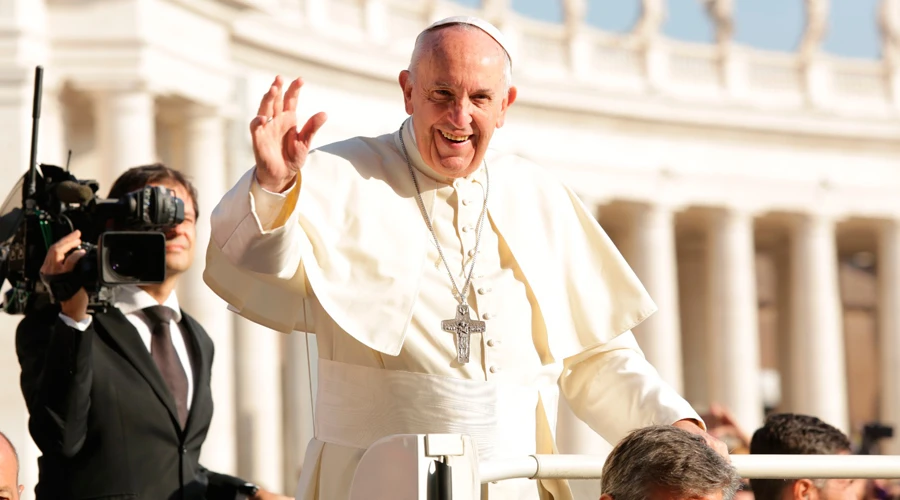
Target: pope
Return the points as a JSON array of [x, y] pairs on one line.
[[451, 287]]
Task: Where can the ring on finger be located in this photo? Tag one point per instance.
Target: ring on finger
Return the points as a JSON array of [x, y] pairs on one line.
[[269, 119]]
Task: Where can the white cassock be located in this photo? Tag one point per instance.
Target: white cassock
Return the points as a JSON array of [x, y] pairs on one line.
[[346, 254]]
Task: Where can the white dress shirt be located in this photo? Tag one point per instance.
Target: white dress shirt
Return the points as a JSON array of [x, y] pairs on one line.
[[130, 300]]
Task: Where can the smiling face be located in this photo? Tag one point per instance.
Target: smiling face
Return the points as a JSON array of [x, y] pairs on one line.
[[456, 92]]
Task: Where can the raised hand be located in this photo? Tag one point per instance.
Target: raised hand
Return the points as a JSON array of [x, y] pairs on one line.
[[279, 147]]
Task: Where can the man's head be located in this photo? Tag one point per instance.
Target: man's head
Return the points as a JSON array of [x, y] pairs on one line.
[[790, 434], [10, 489], [179, 240], [664, 462], [457, 89]]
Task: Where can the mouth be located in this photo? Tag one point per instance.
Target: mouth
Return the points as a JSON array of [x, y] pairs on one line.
[[456, 139]]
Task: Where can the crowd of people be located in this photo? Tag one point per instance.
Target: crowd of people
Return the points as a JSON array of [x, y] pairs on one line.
[[374, 248], [664, 463]]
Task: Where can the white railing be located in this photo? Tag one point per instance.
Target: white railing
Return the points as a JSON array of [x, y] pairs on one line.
[[403, 466], [748, 466]]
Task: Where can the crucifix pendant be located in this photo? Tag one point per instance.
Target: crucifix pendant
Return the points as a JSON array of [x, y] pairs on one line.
[[462, 326]]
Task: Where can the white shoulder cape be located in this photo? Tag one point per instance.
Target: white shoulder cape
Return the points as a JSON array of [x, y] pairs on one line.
[[363, 245]]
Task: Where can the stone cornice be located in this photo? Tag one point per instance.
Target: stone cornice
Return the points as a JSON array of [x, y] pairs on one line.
[[279, 40]]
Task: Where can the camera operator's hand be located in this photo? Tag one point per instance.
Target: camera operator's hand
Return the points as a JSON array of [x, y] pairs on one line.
[[279, 147], [59, 260]]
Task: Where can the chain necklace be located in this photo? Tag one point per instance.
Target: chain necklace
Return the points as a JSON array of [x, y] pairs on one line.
[[462, 325]]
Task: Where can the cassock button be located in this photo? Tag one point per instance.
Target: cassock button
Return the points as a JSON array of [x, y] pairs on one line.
[[472, 253], [466, 202], [466, 229], [491, 343], [482, 291], [495, 369], [488, 316]]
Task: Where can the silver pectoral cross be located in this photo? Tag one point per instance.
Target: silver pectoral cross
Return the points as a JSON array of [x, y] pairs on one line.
[[462, 325]]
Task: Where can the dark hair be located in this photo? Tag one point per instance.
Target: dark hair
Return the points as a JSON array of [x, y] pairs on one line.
[[15, 453], [664, 456], [792, 434], [137, 177]]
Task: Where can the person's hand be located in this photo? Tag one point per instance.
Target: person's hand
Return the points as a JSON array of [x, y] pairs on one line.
[[268, 495], [279, 147], [59, 260], [722, 424], [694, 428]]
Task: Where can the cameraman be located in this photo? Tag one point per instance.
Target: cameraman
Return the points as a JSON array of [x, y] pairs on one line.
[[120, 402]]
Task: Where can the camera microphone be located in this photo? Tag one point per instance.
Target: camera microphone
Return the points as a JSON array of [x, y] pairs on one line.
[[74, 192]]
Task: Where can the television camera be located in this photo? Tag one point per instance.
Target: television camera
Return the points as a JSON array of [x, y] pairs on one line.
[[124, 239]]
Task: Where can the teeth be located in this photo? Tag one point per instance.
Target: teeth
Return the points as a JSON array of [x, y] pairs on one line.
[[456, 138]]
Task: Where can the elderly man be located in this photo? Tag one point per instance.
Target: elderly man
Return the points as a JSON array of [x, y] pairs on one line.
[[666, 463], [791, 434], [451, 288], [10, 489]]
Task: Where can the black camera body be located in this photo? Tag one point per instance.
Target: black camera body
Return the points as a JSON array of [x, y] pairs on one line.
[[125, 238]]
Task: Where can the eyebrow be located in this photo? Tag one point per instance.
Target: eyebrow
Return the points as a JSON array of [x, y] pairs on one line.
[[487, 91]]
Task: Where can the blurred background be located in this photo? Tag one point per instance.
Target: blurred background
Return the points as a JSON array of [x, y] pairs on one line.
[[743, 154]]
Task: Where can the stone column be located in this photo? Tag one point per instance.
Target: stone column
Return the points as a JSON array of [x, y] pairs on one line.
[[733, 326], [818, 368], [692, 271], [785, 326], [889, 326], [25, 44], [205, 163], [260, 424], [654, 261], [52, 134], [126, 132]]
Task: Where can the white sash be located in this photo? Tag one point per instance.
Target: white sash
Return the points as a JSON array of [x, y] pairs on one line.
[[356, 406]]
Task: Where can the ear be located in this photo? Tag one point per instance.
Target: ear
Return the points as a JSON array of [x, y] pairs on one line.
[[507, 102], [802, 489], [606, 497], [21, 489], [407, 87]]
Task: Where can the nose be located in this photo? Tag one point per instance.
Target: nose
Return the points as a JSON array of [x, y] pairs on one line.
[[461, 113], [176, 231]]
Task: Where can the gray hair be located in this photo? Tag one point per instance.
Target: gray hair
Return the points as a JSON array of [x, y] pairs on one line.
[[420, 48], [664, 456]]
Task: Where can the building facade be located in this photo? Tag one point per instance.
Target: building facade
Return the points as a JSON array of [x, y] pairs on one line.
[[756, 194]]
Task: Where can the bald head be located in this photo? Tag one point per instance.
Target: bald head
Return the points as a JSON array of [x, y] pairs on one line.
[[444, 40], [457, 90], [9, 469]]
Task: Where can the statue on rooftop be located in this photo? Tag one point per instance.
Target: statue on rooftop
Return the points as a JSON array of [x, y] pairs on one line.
[[816, 28], [889, 24], [653, 15], [722, 14], [574, 13]]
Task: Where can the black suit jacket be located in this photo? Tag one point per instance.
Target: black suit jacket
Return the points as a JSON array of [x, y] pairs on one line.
[[104, 418]]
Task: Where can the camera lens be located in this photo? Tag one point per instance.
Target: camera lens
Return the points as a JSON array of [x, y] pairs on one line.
[[133, 257], [124, 261]]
